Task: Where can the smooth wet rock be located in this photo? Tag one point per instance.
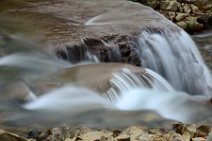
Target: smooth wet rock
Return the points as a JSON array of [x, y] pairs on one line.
[[80, 27]]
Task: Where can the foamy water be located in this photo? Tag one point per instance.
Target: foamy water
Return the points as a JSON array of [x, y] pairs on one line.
[[176, 72], [176, 57]]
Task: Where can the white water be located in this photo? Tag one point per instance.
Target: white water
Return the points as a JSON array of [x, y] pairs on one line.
[[70, 101], [176, 57], [129, 93], [173, 56]]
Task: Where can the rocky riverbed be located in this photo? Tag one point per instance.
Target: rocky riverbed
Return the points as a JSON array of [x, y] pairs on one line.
[[191, 15], [177, 132]]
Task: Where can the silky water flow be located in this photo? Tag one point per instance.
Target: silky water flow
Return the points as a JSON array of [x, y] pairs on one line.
[[176, 84]]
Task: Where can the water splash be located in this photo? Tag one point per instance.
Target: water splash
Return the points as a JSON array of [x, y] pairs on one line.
[[125, 80], [176, 57]]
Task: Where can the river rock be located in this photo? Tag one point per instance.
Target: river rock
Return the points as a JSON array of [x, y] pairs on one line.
[[186, 8], [181, 16], [203, 131], [7, 136], [95, 135], [192, 8], [175, 137], [198, 139], [170, 5], [79, 27]]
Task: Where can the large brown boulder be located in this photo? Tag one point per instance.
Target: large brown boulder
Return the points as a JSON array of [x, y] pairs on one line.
[[82, 26]]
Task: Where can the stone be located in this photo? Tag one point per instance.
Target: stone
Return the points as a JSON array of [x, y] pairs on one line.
[[186, 136], [179, 8], [186, 8], [159, 138], [175, 137], [95, 135], [69, 140], [7, 136], [133, 131], [203, 131], [154, 4], [198, 139], [191, 129], [194, 9], [172, 15], [144, 137], [123, 137], [169, 5], [181, 16], [116, 133], [69, 22], [182, 24]]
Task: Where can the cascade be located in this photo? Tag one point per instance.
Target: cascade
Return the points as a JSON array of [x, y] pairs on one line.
[[176, 57], [137, 95], [175, 73], [126, 80]]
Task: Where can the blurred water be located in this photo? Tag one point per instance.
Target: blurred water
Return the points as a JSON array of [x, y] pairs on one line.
[[102, 93], [176, 57]]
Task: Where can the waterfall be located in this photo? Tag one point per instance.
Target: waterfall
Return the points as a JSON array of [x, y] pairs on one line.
[[175, 73], [176, 57], [126, 80], [74, 104]]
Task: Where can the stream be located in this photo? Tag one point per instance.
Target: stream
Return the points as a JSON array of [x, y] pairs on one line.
[[172, 81]]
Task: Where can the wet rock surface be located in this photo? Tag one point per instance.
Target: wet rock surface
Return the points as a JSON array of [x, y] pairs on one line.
[[115, 48], [82, 26]]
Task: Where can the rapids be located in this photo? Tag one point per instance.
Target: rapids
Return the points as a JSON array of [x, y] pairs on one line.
[[102, 93]]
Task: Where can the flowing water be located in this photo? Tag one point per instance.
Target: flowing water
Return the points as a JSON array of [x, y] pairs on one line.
[[96, 93], [176, 57], [173, 82]]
